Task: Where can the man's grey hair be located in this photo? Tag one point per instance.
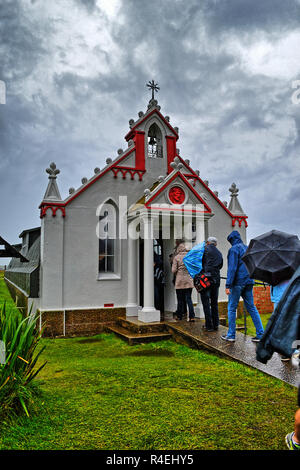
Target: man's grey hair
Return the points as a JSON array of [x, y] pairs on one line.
[[212, 240]]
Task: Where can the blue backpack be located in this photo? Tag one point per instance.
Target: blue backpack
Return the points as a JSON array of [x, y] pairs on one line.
[[193, 259]]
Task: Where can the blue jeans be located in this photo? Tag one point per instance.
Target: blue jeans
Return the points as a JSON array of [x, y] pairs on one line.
[[233, 300]]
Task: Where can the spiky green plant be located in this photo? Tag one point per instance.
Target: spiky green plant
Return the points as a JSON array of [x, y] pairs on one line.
[[20, 337]]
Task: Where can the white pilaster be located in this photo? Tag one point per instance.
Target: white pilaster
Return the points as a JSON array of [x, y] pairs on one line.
[[148, 312], [132, 306]]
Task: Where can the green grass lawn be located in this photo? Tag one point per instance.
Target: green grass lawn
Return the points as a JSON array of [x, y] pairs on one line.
[[5, 295], [250, 327], [100, 393]]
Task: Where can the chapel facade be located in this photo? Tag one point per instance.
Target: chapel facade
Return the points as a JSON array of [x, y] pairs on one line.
[[92, 257]]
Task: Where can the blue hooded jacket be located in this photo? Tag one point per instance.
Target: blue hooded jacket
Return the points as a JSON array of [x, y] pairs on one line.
[[237, 273]]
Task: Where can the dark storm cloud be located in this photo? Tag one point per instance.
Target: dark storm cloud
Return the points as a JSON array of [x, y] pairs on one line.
[[20, 45], [248, 15], [90, 5], [69, 96]]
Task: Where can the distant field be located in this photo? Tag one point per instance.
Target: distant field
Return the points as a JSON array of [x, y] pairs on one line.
[[4, 294]]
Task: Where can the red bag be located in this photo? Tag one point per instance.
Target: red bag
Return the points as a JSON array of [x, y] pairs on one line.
[[201, 281]]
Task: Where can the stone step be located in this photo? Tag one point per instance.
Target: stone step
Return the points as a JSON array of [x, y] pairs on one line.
[[136, 326], [136, 338]]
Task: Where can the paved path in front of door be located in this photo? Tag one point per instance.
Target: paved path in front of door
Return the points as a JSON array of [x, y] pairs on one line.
[[242, 350]]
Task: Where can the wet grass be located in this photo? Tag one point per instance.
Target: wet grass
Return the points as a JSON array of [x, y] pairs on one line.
[[100, 393], [250, 327]]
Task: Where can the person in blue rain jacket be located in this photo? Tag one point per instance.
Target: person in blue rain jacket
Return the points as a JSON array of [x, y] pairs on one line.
[[239, 284]]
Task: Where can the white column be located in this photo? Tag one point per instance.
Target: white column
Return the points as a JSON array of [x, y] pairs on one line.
[[200, 237], [132, 307], [148, 312]]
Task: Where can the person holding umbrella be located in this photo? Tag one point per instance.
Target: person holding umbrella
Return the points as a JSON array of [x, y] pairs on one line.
[[239, 284]]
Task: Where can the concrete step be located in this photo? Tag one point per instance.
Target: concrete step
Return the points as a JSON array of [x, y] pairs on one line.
[[136, 338], [135, 326]]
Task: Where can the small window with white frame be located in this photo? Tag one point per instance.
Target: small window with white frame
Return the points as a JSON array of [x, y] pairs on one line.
[[108, 240]]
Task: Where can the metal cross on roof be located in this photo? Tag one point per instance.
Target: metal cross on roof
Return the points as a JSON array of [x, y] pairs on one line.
[[153, 86]]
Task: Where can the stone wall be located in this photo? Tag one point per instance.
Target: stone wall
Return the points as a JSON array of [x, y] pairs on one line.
[[262, 299], [78, 322]]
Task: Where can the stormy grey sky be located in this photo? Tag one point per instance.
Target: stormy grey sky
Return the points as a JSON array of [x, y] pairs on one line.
[[75, 73]]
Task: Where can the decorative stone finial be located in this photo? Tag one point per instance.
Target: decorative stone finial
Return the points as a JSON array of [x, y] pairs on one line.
[[225, 203], [108, 161], [147, 192], [176, 129], [84, 180], [234, 190], [187, 161], [176, 164], [206, 182], [161, 179], [197, 172], [71, 190], [131, 123], [216, 193], [153, 103], [96, 170], [167, 118], [178, 151], [52, 191], [141, 114], [234, 205], [120, 152], [52, 171]]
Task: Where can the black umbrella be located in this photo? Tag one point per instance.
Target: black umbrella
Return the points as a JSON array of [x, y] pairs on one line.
[[273, 257]]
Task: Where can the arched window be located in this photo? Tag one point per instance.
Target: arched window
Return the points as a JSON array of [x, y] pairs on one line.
[[155, 142], [108, 232]]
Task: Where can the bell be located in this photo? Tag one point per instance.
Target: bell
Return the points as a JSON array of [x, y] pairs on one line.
[[152, 141]]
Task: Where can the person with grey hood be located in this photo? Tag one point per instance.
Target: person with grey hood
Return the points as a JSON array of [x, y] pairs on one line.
[[183, 284], [212, 262]]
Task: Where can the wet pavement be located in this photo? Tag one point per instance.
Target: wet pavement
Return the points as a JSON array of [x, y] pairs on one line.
[[242, 350]]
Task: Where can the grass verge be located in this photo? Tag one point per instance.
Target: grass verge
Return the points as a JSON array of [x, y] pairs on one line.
[[100, 393]]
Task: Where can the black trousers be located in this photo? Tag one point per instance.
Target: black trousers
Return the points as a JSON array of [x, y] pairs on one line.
[[184, 298], [209, 299]]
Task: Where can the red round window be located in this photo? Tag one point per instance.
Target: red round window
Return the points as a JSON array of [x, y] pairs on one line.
[[177, 195]]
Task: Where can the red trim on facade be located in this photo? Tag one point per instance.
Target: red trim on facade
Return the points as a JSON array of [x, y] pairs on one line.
[[179, 174], [109, 305], [171, 151], [53, 207], [196, 177], [125, 170], [130, 133], [239, 219], [180, 209], [139, 140]]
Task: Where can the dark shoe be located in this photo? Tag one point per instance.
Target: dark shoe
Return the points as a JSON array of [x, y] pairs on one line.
[[231, 340], [207, 329], [192, 320], [177, 317], [256, 339]]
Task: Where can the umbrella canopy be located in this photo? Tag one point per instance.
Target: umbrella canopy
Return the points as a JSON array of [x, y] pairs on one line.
[[273, 257]]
